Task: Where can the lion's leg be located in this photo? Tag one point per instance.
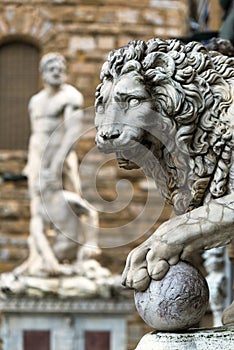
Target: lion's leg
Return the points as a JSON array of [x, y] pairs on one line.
[[203, 228]]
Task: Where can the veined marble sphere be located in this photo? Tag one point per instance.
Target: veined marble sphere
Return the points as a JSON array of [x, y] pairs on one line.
[[176, 302]]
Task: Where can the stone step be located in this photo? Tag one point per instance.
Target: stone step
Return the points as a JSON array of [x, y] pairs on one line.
[[219, 338]]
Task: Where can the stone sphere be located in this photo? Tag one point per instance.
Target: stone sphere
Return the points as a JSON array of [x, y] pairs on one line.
[[176, 302]]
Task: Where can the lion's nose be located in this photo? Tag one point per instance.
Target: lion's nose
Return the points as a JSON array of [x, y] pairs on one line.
[[106, 135]]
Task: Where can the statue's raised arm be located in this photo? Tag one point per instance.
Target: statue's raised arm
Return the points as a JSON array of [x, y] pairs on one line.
[[168, 108]]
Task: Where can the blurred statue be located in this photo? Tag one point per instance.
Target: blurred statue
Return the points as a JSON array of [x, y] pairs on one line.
[[227, 28], [64, 227], [217, 282], [168, 108], [52, 170]]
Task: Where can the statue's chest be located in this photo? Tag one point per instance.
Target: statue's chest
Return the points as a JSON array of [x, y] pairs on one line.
[[55, 105]]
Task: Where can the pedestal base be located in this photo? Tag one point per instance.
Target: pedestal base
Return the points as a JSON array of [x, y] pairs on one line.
[[194, 339], [58, 324]]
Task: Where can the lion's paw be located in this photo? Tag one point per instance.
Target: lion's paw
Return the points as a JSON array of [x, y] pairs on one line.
[[151, 260]]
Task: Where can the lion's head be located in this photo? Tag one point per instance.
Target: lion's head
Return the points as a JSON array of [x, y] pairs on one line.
[[165, 106]]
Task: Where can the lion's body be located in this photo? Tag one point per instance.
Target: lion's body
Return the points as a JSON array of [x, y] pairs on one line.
[[169, 108]]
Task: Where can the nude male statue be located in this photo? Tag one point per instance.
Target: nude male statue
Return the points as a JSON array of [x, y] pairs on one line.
[[57, 103], [52, 170]]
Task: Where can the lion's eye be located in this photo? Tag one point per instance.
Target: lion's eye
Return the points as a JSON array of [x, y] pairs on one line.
[[133, 102], [100, 109]]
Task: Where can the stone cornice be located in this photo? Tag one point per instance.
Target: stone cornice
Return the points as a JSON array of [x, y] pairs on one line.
[[58, 305]]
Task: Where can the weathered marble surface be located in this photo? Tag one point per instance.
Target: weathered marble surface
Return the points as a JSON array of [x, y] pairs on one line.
[[178, 301], [194, 339], [168, 108]]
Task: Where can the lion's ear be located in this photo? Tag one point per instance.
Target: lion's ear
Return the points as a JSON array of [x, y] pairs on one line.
[[159, 59]]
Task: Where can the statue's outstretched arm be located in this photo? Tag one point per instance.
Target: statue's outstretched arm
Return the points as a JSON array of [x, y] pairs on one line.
[[208, 226]]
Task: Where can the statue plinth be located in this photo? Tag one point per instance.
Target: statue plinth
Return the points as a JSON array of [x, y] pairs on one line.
[[61, 324], [193, 339]]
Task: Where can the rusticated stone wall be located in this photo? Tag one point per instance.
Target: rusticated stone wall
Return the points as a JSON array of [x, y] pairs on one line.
[[14, 211], [85, 31]]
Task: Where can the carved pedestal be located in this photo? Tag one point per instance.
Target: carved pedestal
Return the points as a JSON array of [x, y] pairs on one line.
[[56, 324], [197, 339]]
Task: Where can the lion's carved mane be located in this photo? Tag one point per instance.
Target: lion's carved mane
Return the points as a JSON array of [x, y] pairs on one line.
[[193, 91]]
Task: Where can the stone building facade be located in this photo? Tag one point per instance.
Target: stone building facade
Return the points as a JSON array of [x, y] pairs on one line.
[[84, 31]]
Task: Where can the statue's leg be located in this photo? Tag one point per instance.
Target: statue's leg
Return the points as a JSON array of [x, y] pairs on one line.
[[32, 259], [228, 315], [90, 248], [67, 240], [71, 179], [43, 247], [83, 226]]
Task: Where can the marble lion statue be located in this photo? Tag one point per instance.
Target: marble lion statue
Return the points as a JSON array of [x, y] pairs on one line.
[[167, 108]]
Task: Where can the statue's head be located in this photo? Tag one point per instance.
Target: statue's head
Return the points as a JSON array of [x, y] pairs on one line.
[[171, 100], [53, 69]]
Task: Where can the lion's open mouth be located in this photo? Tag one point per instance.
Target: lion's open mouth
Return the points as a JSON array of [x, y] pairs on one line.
[[131, 153], [133, 158], [125, 163]]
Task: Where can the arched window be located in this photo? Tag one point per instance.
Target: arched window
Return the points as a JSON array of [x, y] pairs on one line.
[[19, 80]]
